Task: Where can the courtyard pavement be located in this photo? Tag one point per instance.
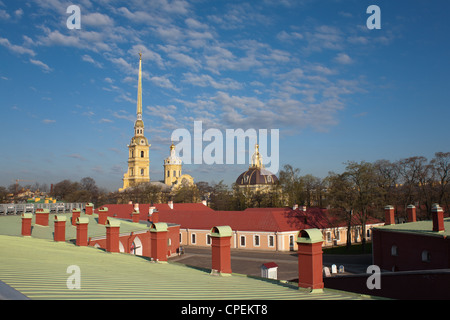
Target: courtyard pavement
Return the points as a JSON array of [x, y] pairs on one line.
[[249, 262]]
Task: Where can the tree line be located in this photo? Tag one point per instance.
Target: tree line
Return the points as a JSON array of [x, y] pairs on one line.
[[362, 190]]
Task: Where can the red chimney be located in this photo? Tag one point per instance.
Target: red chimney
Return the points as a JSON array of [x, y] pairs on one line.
[[42, 216], [112, 235], [60, 228], [438, 219], [89, 208], [102, 215], [310, 260], [158, 241], [411, 211], [26, 224], [153, 215], [220, 250], [389, 215], [135, 216], [76, 212], [82, 231]]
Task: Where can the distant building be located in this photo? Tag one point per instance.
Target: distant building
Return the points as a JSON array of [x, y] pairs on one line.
[[257, 178], [273, 229], [414, 245], [139, 155]]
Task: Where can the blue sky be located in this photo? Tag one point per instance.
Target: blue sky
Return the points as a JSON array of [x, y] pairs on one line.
[[336, 90]]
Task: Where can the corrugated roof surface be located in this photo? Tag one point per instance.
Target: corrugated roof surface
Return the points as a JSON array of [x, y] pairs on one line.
[[38, 269], [11, 225], [419, 227]]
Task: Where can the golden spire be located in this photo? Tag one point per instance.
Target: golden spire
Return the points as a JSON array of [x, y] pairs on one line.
[[139, 98], [256, 158]]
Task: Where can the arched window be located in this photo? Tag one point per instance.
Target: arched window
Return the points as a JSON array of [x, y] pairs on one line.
[[168, 173], [426, 256], [394, 251], [142, 154], [174, 173]]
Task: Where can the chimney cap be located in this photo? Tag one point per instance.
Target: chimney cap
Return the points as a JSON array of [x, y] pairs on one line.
[[60, 217], [112, 222], [27, 215], [158, 227], [82, 220], [411, 206], [221, 231], [310, 236], [389, 207]]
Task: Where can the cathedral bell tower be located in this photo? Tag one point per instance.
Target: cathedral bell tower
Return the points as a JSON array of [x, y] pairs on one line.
[[172, 167], [138, 149]]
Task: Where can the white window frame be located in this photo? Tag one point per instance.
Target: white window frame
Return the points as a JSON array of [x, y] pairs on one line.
[[240, 241], [255, 243], [269, 237]]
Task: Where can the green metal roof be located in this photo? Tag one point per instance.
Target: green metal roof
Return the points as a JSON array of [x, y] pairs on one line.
[[38, 268], [419, 227], [12, 225]]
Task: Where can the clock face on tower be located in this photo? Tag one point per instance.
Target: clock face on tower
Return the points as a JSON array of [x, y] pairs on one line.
[[142, 142]]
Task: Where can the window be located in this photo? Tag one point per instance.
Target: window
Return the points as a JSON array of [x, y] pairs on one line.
[[208, 239], [368, 233], [328, 236], [256, 240], [168, 173], [394, 251], [291, 242], [271, 241], [242, 241], [338, 235], [174, 173], [142, 172], [142, 154], [193, 238], [426, 256], [181, 237]]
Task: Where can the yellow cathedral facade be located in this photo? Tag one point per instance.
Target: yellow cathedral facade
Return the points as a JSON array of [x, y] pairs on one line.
[[139, 154]]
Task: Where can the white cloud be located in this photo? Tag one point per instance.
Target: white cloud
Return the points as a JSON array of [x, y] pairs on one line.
[[48, 121], [42, 65], [76, 156], [89, 59], [4, 15], [343, 58], [97, 20], [289, 36], [16, 48], [18, 13], [163, 82], [207, 81]]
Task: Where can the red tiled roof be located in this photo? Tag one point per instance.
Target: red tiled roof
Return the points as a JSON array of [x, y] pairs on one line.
[[199, 216]]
